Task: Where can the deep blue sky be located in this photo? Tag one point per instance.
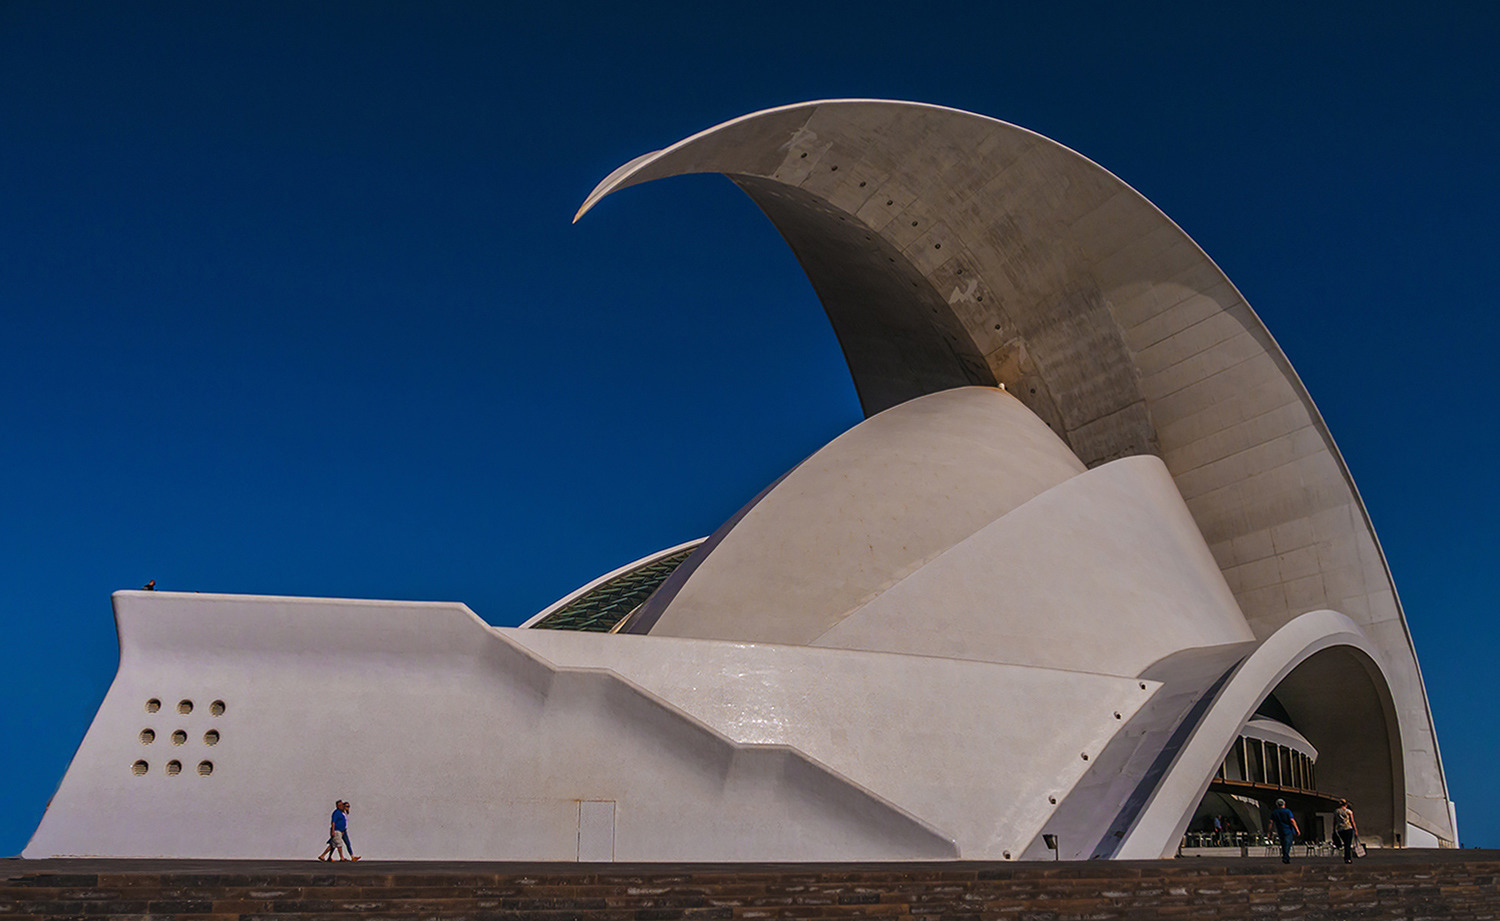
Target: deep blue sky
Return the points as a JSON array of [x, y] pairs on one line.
[[292, 304]]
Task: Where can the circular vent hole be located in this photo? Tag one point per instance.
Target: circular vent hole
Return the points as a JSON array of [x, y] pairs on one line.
[[139, 768], [153, 705], [148, 736], [184, 707], [804, 156], [174, 767], [179, 737], [861, 185], [211, 737], [216, 708], [205, 768]]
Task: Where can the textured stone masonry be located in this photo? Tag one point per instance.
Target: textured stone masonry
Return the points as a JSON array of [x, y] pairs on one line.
[[1402, 886]]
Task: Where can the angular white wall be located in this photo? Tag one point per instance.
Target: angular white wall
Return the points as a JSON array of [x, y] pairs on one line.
[[451, 741]]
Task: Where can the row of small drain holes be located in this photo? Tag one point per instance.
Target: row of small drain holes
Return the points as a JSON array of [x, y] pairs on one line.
[[185, 707], [179, 737], [174, 768]]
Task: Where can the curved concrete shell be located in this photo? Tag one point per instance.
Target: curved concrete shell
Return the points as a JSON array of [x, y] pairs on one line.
[[949, 248], [1090, 555], [923, 476]]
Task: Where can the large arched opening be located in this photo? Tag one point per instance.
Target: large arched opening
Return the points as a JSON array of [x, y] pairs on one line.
[[1326, 732], [1338, 698]]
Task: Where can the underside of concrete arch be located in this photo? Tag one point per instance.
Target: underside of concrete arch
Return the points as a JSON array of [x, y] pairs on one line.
[[1339, 699]]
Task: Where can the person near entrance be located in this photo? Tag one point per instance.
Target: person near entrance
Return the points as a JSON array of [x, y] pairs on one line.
[[1286, 828], [1346, 829]]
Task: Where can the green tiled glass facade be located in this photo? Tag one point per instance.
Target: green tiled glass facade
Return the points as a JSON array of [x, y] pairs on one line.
[[600, 608]]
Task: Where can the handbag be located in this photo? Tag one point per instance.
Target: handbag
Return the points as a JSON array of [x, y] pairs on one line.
[[1359, 849]]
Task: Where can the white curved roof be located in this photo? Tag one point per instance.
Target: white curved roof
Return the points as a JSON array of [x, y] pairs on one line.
[[957, 526], [949, 248], [867, 510]]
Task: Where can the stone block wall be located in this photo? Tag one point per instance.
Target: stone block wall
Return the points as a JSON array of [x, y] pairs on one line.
[[1405, 885]]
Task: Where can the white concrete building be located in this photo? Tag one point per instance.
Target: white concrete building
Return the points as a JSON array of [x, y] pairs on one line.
[[1092, 568]]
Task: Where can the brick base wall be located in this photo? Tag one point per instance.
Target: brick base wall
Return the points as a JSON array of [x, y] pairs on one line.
[[1406, 885]]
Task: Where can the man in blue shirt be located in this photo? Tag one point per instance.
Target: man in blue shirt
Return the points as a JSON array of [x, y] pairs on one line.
[[338, 833], [341, 825], [1286, 827]]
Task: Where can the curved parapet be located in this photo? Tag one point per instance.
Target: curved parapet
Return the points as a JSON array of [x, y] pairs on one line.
[[949, 249]]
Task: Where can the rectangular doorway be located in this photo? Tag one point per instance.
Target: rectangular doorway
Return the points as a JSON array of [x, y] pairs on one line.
[[596, 831]]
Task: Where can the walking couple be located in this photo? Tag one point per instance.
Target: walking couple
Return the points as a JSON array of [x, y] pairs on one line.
[[338, 833]]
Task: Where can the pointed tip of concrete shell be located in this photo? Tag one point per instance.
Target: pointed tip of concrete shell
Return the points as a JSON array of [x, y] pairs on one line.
[[620, 178]]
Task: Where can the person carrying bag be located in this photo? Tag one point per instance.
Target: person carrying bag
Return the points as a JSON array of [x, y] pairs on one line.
[[1348, 832]]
